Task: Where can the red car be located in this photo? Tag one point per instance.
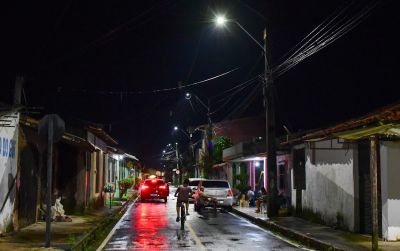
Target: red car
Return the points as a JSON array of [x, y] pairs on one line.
[[154, 189]]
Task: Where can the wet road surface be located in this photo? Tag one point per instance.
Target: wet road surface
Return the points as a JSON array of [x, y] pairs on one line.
[[152, 226]]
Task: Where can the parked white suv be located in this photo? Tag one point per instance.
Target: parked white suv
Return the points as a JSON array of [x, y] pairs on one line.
[[218, 189]]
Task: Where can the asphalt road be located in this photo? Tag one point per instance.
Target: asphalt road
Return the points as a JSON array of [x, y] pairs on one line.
[[152, 226]]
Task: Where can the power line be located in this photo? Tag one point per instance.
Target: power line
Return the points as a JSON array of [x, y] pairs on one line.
[[328, 36], [157, 90]]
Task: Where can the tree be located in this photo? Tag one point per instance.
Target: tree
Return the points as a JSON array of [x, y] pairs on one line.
[[220, 143]]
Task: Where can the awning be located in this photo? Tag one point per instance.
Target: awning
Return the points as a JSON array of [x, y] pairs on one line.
[[387, 130], [219, 165]]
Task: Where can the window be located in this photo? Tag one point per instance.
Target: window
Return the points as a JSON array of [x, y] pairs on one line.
[[215, 184]]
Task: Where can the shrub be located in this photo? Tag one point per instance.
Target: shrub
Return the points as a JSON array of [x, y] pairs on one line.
[[124, 185]]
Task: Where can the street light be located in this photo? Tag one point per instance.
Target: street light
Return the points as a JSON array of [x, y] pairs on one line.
[[220, 20], [176, 128], [270, 118], [207, 107]]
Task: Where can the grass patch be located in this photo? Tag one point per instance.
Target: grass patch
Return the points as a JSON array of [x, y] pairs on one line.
[[96, 237], [113, 203]]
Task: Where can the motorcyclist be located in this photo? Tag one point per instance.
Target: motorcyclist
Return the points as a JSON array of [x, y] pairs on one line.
[[182, 193]]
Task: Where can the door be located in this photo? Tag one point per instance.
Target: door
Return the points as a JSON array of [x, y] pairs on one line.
[[299, 173], [28, 186]]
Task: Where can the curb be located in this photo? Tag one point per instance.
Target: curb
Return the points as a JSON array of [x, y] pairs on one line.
[[91, 235], [289, 233]]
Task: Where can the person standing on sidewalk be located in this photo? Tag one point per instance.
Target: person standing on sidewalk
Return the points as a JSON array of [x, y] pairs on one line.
[[250, 197], [262, 199]]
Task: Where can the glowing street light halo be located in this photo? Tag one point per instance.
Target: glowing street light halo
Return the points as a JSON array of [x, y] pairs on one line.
[[220, 20]]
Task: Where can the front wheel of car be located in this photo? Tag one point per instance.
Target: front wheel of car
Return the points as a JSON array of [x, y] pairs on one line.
[[194, 207], [229, 209], [142, 200]]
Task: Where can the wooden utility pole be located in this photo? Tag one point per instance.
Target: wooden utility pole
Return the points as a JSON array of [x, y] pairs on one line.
[[270, 136], [19, 81], [374, 191]]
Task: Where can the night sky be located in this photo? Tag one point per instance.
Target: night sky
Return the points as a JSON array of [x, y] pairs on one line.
[[101, 61]]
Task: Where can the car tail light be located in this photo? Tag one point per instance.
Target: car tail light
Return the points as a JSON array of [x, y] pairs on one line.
[[162, 187], [230, 194], [145, 186]]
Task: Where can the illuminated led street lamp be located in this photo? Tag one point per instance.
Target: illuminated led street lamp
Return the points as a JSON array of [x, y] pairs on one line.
[[220, 20], [175, 128], [188, 95]]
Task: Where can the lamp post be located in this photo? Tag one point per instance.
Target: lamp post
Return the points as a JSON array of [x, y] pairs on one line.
[[270, 118], [208, 133], [189, 136], [178, 171]]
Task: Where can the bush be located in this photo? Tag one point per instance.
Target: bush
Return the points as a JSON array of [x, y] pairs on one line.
[[124, 185], [242, 185]]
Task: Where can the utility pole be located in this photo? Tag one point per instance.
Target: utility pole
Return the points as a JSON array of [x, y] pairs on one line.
[[374, 191], [270, 135], [209, 137], [19, 81], [177, 162]]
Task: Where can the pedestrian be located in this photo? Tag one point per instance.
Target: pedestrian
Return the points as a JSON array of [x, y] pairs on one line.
[[250, 197], [262, 199]]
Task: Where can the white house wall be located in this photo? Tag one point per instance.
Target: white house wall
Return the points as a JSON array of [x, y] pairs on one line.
[[8, 170], [330, 182], [390, 189]]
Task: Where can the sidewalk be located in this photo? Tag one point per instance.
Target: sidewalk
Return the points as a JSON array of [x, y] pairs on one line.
[[63, 234], [314, 235]]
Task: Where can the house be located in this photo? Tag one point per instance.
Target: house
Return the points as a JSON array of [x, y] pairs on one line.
[[248, 129], [71, 162], [9, 119], [121, 165], [331, 172], [98, 171]]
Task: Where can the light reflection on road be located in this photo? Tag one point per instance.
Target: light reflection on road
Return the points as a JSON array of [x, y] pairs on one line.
[[148, 220]]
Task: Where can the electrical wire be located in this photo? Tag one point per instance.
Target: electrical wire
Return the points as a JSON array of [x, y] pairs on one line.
[[232, 95], [244, 103], [330, 35], [109, 92]]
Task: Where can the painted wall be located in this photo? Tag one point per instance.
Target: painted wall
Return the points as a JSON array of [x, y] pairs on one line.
[[330, 183], [80, 181], [8, 171], [98, 167], [390, 189]]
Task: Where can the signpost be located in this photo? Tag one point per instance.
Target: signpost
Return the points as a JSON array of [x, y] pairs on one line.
[[51, 128]]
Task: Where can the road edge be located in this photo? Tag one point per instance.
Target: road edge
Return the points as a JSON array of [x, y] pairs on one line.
[[288, 233], [108, 237]]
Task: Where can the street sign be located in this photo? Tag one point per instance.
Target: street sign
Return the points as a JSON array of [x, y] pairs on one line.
[[58, 127]]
